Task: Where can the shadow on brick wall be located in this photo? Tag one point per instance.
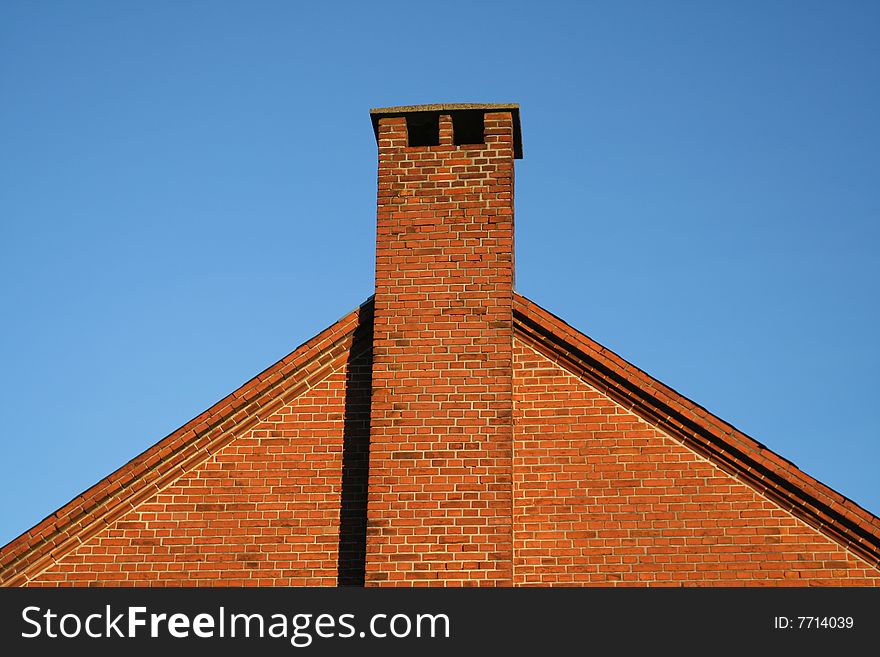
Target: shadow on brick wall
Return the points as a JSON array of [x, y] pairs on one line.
[[356, 456]]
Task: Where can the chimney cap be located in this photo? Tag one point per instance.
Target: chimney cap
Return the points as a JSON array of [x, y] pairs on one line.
[[444, 108]]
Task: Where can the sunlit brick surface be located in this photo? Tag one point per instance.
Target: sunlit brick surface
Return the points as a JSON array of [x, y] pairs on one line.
[[450, 432], [440, 440], [603, 498]]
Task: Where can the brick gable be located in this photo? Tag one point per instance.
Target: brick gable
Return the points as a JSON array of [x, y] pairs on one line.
[[452, 432], [600, 494], [251, 413], [263, 510], [602, 497]]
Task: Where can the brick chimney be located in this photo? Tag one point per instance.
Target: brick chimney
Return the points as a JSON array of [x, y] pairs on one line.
[[441, 430]]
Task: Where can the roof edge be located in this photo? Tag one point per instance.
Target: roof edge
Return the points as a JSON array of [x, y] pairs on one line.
[[145, 474], [831, 513]]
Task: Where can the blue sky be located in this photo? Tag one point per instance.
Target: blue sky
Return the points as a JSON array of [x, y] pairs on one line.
[[187, 192]]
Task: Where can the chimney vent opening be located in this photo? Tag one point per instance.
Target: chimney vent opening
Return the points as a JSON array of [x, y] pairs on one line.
[[467, 128], [423, 129]]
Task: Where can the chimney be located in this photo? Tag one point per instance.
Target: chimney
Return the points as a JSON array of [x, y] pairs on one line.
[[441, 427]]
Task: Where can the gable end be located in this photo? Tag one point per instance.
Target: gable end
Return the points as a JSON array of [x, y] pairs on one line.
[[734, 452], [178, 453]]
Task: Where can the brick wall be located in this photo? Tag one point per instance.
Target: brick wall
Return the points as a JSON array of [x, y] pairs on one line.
[[604, 498], [601, 497], [440, 450], [432, 438], [280, 503]]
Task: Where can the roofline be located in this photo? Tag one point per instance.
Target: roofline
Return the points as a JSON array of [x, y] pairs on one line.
[[88, 513], [736, 453], [806, 498]]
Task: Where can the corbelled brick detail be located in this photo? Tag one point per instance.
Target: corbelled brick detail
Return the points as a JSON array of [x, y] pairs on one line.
[[439, 509]]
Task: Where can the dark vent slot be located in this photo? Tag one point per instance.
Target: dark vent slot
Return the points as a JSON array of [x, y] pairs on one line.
[[467, 128], [423, 129]]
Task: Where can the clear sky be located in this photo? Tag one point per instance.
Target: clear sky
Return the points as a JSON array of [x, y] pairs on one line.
[[187, 193]]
